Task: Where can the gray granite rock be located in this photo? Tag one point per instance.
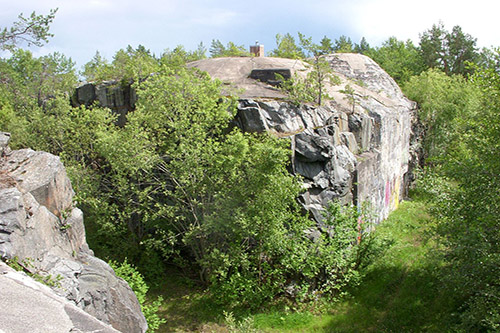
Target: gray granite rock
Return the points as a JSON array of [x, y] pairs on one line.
[[354, 149], [29, 306], [39, 223]]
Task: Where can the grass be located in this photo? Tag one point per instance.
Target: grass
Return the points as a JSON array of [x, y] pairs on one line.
[[401, 290], [399, 293], [186, 307]]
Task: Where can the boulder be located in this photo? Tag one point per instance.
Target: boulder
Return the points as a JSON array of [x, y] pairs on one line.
[[42, 228]]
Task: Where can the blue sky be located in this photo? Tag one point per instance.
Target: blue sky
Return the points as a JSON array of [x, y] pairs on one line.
[[83, 26]]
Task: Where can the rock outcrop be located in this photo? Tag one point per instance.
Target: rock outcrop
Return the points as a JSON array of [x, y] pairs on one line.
[[29, 306], [118, 96], [41, 227], [355, 148]]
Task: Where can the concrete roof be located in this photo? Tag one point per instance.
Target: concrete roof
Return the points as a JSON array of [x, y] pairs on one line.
[[359, 71], [235, 73]]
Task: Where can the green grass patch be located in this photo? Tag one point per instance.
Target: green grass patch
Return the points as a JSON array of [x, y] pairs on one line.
[[401, 290]]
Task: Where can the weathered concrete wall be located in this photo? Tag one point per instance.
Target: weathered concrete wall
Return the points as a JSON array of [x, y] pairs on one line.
[[358, 157]]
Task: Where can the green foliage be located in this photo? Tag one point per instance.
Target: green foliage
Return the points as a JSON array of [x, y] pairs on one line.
[[401, 290], [448, 51], [286, 47], [136, 281], [128, 64], [246, 325], [466, 204], [179, 56], [489, 58], [470, 217], [26, 265], [217, 197], [363, 47], [33, 81], [313, 87], [331, 262], [32, 30], [343, 45], [288, 321], [223, 196], [349, 96], [217, 50], [299, 90], [92, 69], [326, 46], [401, 60], [443, 100]]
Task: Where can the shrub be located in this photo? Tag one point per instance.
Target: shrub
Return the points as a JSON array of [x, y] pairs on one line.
[[136, 281]]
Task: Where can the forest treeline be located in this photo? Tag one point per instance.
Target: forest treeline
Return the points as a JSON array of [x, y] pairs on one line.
[[178, 185]]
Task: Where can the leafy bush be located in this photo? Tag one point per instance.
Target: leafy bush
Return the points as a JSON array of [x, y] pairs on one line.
[[136, 281], [466, 205], [330, 259], [246, 325]]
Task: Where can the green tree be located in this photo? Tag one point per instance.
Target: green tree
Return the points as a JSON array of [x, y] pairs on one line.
[[136, 281], [223, 197], [32, 30], [217, 50], [35, 80], [321, 73], [401, 60], [442, 101], [468, 206], [448, 51], [94, 67], [363, 47], [127, 64], [326, 46], [286, 47], [179, 56], [343, 45], [489, 58]]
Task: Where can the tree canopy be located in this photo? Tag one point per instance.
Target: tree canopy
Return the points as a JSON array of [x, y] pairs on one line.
[[448, 51]]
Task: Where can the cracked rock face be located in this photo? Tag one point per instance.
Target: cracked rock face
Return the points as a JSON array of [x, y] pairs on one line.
[[357, 147], [29, 306], [40, 225]]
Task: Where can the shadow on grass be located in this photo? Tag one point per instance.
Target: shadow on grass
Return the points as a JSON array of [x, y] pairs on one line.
[[401, 291], [394, 299], [186, 306]]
